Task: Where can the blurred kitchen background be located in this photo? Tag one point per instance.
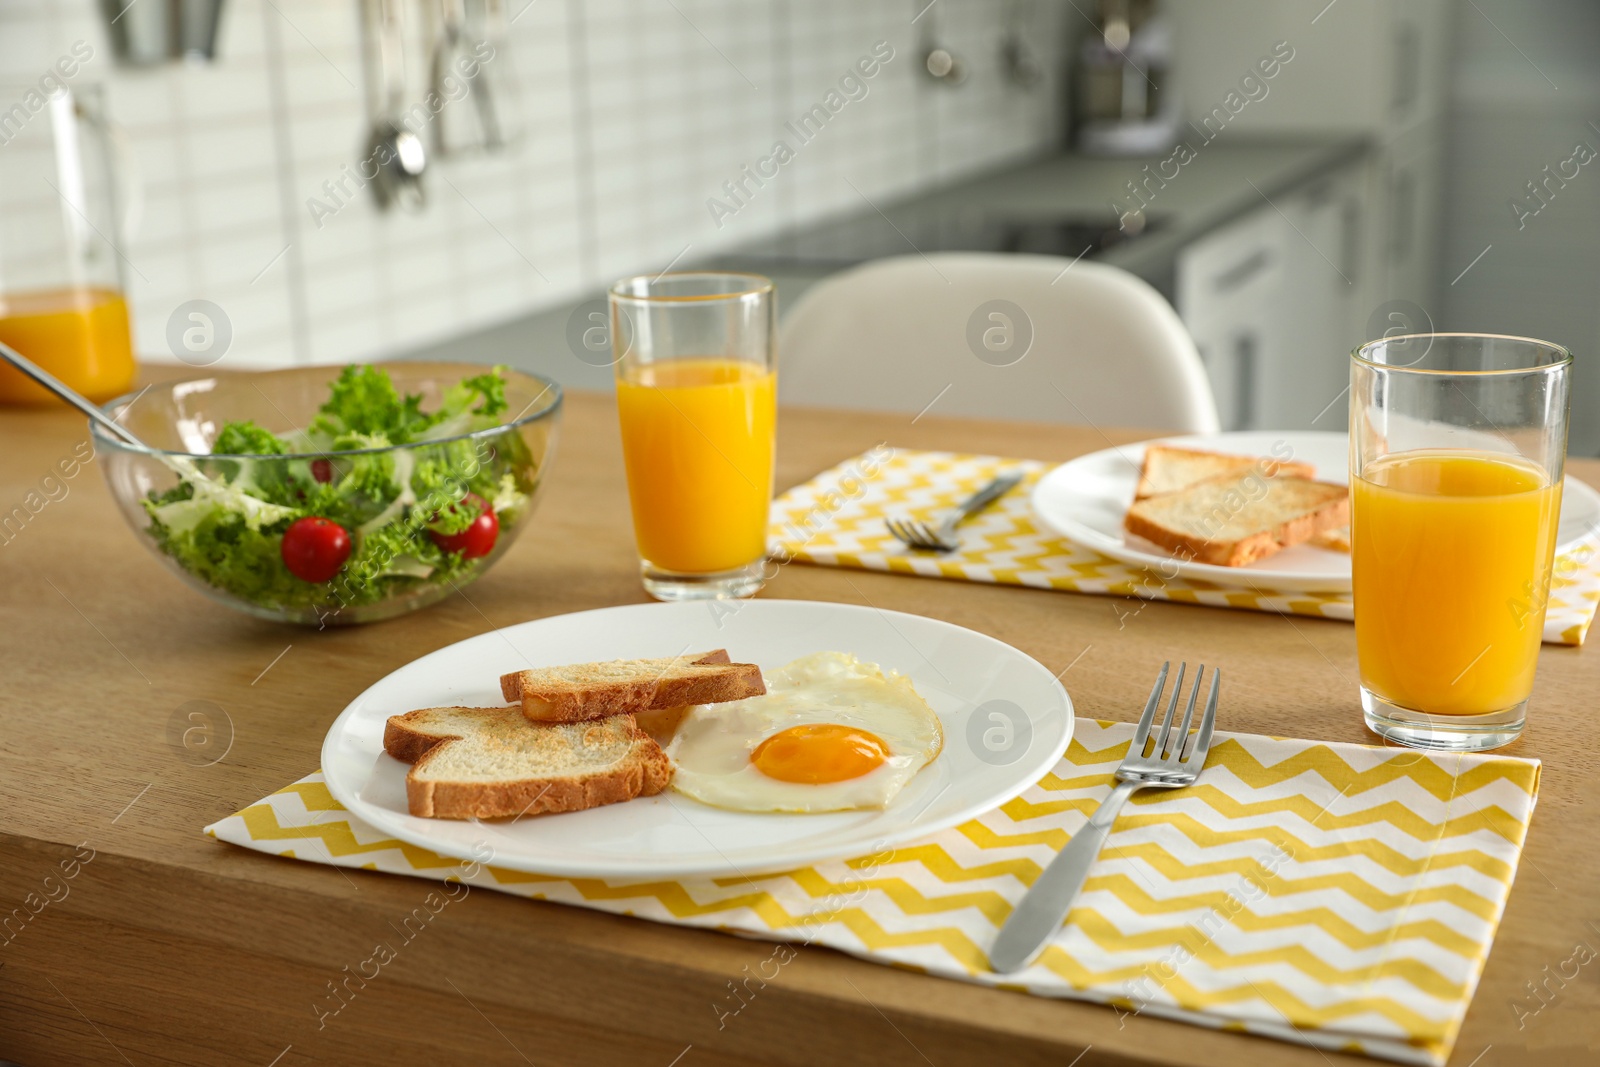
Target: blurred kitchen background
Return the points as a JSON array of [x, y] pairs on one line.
[[1294, 176]]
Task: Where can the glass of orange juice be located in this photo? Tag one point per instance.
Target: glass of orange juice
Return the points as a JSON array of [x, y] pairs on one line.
[[1457, 445], [61, 267], [697, 394]]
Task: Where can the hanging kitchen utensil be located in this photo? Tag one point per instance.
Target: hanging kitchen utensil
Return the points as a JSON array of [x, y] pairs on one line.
[[394, 148], [147, 32], [469, 63]]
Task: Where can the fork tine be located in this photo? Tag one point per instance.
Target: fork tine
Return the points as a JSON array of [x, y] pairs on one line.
[[1202, 743], [913, 533], [1142, 734], [1188, 714], [899, 530], [1172, 706]]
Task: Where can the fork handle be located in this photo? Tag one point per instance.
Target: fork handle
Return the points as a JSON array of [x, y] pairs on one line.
[[975, 503], [1038, 917]]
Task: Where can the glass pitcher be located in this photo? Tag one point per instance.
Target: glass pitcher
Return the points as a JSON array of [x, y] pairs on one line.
[[63, 179]]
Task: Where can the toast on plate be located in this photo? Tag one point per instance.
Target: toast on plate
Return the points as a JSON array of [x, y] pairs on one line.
[[1233, 520], [489, 763], [581, 691], [1167, 469]]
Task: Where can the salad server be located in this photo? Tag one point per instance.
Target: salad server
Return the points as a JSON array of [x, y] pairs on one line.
[[184, 467], [70, 395]]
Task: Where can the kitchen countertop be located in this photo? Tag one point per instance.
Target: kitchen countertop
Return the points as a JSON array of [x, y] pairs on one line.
[[1226, 179], [1221, 182], [169, 947]]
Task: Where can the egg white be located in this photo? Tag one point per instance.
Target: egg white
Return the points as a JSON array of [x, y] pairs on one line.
[[712, 748]]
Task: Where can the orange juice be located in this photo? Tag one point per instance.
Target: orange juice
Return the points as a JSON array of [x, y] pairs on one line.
[[1451, 557], [79, 335], [697, 438]]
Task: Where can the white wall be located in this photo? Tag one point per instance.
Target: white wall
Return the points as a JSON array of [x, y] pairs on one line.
[[633, 113]]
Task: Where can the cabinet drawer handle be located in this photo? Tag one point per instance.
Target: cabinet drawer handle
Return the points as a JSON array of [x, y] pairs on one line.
[[1243, 271]]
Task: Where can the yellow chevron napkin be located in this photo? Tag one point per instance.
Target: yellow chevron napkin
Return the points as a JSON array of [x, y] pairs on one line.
[[1340, 896], [836, 519]]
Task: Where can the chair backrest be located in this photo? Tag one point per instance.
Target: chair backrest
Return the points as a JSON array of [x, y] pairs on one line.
[[1001, 336]]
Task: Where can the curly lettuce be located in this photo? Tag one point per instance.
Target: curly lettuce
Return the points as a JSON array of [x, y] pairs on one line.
[[364, 401], [223, 522]]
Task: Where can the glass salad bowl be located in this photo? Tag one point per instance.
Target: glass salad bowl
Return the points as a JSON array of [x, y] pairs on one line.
[[333, 495]]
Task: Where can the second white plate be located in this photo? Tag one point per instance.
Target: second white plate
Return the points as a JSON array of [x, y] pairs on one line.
[[1085, 499], [1006, 721]]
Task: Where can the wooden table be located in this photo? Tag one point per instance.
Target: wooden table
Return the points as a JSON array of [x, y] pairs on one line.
[[171, 948]]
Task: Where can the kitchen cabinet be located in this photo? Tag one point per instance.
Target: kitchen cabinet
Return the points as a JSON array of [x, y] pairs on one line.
[[1227, 285], [1406, 232], [1417, 34], [1327, 294], [1275, 299], [1357, 251], [1376, 67]]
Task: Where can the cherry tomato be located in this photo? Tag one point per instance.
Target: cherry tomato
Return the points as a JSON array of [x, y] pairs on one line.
[[476, 540], [315, 548], [322, 470]]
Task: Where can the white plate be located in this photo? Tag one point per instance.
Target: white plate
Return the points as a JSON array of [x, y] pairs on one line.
[[985, 762], [1084, 501]]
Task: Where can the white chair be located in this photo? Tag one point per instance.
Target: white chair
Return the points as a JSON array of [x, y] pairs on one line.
[[999, 336]]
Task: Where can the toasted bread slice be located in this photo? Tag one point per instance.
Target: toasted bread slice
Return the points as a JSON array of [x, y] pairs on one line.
[[1333, 540], [1167, 469], [485, 763], [595, 690], [1234, 520]]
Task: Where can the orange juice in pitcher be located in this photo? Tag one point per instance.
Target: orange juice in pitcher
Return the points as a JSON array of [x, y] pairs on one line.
[[81, 335], [61, 290]]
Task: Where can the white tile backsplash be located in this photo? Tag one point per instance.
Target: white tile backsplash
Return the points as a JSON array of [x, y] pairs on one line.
[[628, 115]]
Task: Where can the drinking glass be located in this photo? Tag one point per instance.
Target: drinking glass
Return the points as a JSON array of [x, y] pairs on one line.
[[697, 396], [67, 185], [1457, 444]]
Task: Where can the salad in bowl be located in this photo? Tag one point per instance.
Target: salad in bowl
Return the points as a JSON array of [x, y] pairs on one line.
[[331, 495]]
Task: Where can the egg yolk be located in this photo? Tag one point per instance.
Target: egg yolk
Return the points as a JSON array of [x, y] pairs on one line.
[[819, 752]]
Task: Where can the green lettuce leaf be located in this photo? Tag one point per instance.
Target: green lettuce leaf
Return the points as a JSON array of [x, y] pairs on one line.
[[362, 400], [247, 439]]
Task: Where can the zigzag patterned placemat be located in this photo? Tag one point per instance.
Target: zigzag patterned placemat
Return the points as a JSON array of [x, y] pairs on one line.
[[1336, 895], [837, 519]]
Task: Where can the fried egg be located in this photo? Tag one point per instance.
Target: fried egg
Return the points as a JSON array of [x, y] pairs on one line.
[[831, 734]]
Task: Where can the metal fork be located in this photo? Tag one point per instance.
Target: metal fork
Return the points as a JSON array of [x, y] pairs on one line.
[[941, 538], [1039, 915]]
